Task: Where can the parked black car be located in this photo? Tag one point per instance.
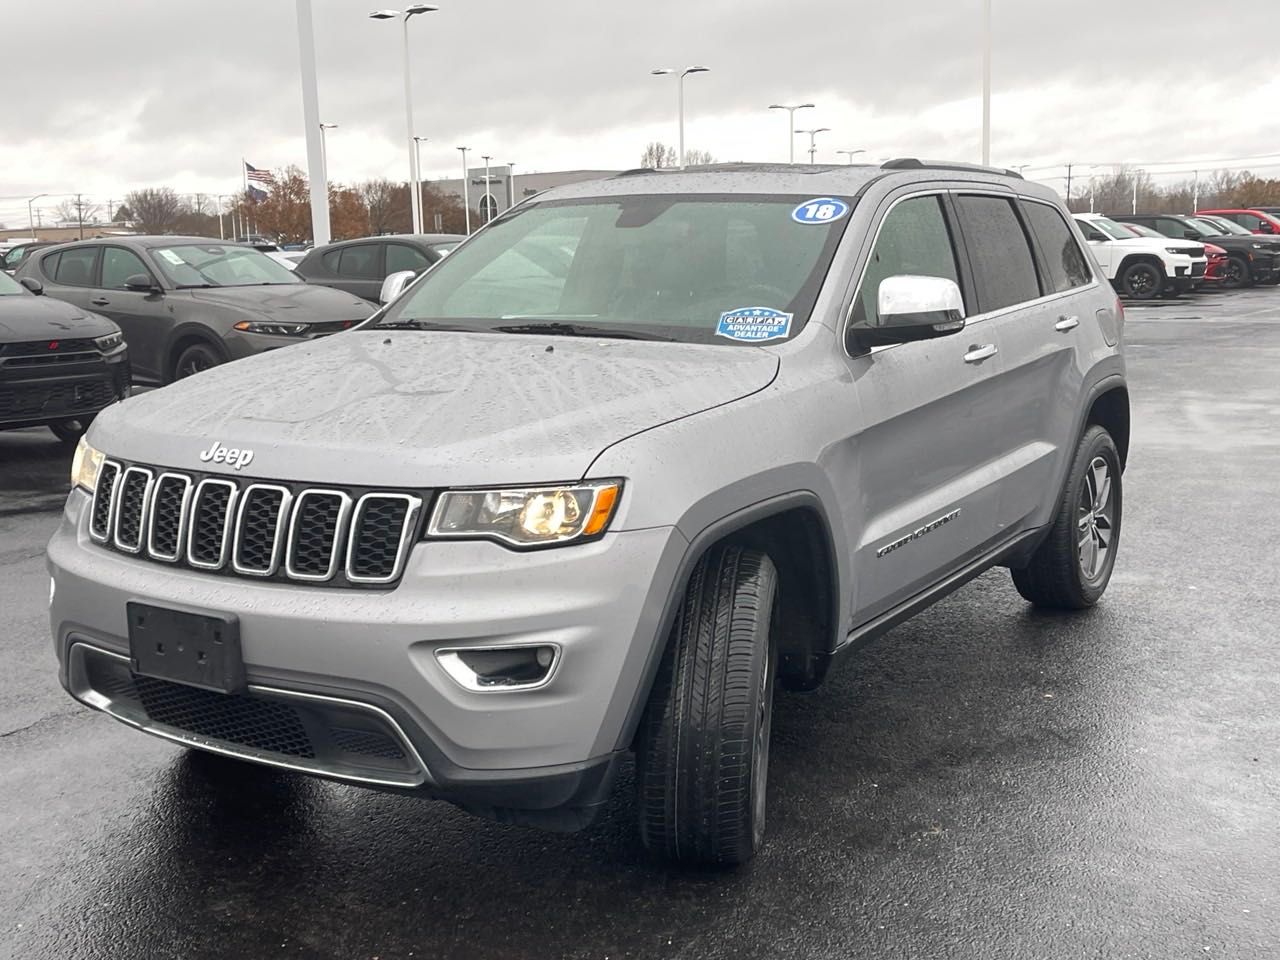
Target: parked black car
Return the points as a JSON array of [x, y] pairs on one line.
[[360, 266], [1251, 259], [58, 365], [189, 303], [15, 257]]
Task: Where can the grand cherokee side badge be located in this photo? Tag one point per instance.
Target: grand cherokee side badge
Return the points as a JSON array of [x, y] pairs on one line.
[[918, 533], [231, 456]]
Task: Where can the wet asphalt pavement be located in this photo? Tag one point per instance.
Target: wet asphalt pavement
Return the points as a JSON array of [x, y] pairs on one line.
[[985, 781]]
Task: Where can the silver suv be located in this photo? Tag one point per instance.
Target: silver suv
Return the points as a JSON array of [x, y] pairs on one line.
[[629, 456]]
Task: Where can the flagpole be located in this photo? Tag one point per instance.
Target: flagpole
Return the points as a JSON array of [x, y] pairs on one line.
[[244, 202]]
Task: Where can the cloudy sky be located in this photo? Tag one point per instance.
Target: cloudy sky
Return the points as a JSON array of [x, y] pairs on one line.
[[132, 93]]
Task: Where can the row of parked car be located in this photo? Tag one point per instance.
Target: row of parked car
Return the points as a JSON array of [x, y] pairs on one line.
[[1225, 249]]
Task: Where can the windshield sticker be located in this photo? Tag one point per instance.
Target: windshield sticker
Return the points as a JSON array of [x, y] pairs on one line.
[[820, 210], [754, 324], [172, 257]]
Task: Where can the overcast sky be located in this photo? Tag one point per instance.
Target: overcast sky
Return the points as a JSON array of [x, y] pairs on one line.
[[132, 93]]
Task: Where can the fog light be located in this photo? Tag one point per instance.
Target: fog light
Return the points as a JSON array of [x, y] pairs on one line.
[[500, 668]]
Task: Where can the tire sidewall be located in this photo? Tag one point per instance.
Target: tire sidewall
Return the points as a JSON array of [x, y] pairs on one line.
[[1133, 270], [1095, 443]]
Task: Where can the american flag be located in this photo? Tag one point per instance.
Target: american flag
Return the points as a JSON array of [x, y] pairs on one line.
[[262, 176]]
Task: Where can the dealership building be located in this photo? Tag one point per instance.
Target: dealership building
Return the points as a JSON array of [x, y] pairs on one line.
[[503, 191]]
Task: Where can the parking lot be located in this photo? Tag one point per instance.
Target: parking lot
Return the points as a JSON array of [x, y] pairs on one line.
[[984, 781]]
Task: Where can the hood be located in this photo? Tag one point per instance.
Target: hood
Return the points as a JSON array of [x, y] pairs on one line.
[[1161, 246], [289, 302], [26, 317], [424, 409]]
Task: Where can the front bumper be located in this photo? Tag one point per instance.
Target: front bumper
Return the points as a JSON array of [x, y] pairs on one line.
[[37, 395], [542, 749]]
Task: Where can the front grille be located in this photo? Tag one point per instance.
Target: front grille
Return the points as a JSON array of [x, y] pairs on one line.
[[1197, 269], [36, 399], [336, 537]]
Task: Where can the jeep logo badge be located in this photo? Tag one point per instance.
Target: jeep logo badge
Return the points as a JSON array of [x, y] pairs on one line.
[[231, 456]]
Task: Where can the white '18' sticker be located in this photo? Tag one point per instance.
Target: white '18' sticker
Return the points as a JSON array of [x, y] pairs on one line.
[[820, 210]]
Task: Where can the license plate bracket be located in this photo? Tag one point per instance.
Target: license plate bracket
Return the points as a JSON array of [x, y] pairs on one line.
[[198, 649]]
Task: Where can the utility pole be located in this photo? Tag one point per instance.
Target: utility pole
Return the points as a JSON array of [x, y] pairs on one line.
[[80, 216], [1195, 192], [1069, 166]]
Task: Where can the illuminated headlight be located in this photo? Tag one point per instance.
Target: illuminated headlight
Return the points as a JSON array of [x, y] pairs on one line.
[[273, 328], [1258, 246], [85, 466], [528, 516], [109, 342]]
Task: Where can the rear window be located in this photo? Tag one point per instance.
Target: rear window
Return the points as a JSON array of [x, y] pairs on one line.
[[75, 266], [1004, 269]]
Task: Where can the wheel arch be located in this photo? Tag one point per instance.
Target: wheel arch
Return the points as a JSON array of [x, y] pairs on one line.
[[1109, 408], [186, 335], [1130, 259]]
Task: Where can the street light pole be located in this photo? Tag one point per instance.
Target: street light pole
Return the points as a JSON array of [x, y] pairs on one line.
[[324, 153], [417, 165], [511, 182], [319, 189], [466, 200], [986, 83], [663, 71], [31, 223], [813, 140], [415, 200], [851, 153], [791, 125], [488, 207]]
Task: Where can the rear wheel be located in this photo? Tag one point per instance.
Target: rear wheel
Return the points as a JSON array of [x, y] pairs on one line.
[[195, 358], [703, 750], [1142, 280], [70, 431]]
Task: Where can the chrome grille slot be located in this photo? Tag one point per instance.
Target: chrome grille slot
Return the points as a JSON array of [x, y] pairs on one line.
[[209, 530], [260, 527], [169, 502], [315, 534], [130, 512], [380, 526], [103, 498]]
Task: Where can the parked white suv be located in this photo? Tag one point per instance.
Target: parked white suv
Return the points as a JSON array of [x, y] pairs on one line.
[[1142, 267]]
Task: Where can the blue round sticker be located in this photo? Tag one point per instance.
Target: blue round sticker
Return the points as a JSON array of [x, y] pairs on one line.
[[820, 210]]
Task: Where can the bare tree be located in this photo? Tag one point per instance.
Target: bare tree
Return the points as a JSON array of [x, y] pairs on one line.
[[388, 206], [77, 210], [658, 155], [698, 158], [155, 209]]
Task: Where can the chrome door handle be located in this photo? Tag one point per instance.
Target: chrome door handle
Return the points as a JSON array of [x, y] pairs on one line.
[[1066, 323], [99, 302], [977, 354]]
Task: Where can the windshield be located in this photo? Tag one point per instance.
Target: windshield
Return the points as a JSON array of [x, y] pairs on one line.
[[1144, 231], [9, 286], [673, 267], [1220, 225], [219, 265], [1112, 229]]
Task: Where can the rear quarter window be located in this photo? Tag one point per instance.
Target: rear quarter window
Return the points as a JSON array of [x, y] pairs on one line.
[[1065, 261]]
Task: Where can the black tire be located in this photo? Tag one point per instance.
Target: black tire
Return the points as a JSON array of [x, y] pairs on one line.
[[1236, 274], [1058, 576], [1142, 281], [194, 359], [702, 754], [70, 431]]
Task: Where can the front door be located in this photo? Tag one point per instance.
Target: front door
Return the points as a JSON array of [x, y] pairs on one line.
[[143, 317]]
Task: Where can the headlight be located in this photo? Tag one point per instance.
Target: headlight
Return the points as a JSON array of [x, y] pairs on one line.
[[1258, 246], [85, 466], [109, 342], [273, 328], [528, 516]]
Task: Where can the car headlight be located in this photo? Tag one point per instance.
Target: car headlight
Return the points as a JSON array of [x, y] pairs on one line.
[[1258, 246], [527, 516], [273, 328], [109, 342], [85, 466]]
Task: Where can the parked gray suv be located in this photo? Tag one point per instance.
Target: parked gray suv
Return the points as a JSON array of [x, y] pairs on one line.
[[629, 456]]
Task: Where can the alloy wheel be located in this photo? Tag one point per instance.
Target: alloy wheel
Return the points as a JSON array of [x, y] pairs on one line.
[[1095, 518]]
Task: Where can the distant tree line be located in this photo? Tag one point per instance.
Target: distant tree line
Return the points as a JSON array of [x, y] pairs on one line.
[[1222, 189], [657, 155]]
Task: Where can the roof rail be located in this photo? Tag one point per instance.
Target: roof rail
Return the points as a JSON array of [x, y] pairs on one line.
[[911, 163]]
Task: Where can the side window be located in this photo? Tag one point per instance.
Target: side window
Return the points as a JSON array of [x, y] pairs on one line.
[[360, 262], [1003, 268], [1064, 260], [75, 268], [13, 256], [1248, 220], [118, 265], [49, 265], [914, 239], [331, 259], [401, 256], [1171, 228]]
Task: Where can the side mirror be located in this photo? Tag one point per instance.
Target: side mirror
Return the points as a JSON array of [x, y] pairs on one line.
[[394, 285], [1265, 227], [141, 282], [32, 284], [915, 308]]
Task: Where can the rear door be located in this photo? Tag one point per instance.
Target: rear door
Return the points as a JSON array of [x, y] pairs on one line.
[[360, 270], [143, 317], [927, 423], [72, 273]]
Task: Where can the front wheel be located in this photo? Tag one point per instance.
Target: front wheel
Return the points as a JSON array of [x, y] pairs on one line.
[[1071, 568], [1236, 274], [195, 358], [702, 755], [1142, 281], [70, 431]]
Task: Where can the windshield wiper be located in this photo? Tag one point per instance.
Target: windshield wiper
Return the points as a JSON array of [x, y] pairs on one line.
[[195, 286], [557, 329], [428, 325]]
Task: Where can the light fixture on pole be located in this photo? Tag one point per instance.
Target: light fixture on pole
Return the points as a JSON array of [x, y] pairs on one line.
[[851, 153], [663, 71], [488, 197], [324, 153], [986, 83], [791, 124], [466, 200], [30, 216], [415, 200], [813, 139]]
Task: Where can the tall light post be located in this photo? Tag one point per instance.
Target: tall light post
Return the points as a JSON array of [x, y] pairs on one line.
[[466, 201], [488, 207], [221, 203], [317, 186], [417, 165], [986, 83], [411, 11], [511, 182], [850, 153], [813, 139], [324, 153], [663, 71], [31, 223], [791, 124]]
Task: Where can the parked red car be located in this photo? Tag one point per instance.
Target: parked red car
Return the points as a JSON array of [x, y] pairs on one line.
[[1253, 219]]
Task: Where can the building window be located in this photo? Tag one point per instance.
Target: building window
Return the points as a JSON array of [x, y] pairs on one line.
[[488, 207]]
